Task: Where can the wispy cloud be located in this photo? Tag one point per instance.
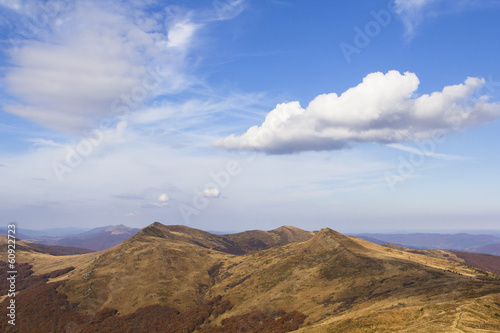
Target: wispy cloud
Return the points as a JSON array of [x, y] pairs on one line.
[[412, 12], [425, 153], [97, 54], [92, 60], [11, 4], [226, 10]]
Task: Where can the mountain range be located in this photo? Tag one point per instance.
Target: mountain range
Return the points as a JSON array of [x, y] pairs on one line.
[[96, 239], [459, 242], [179, 279], [102, 238]]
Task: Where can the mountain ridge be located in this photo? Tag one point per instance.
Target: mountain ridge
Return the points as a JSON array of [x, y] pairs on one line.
[[329, 282], [239, 243]]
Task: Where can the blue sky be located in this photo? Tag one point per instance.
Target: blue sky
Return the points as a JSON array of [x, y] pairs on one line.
[[233, 115]]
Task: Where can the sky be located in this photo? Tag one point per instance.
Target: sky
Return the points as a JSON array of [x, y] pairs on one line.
[[232, 115]]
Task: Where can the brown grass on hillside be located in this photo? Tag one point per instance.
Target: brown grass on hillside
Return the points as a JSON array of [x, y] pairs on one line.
[[329, 283], [25, 277], [40, 308], [482, 261]]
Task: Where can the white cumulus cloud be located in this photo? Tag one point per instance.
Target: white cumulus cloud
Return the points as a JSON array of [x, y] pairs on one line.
[[163, 200], [163, 197], [384, 108], [210, 193]]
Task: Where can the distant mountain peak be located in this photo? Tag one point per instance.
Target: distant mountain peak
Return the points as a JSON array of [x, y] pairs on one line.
[[288, 227], [328, 239], [155, 229], [119, 229], [161, 230], [329, 234]]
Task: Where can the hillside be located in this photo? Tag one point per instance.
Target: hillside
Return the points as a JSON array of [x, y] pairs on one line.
[[54, 250], [103, 238], [490, 249], [239, 243], [256, 240], [482, 261], [325, 283]]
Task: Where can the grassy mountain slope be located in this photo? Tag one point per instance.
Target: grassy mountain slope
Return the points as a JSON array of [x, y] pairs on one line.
[[54, 250], [256, 240], [326, 283]]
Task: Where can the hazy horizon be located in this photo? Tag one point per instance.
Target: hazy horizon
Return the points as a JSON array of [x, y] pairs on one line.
[[76, 230], [367, 116]]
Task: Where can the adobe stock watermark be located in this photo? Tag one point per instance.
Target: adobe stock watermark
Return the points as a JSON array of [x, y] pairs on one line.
[[363, 36], [408, 165], [11, 272], [31, 25], [122, 105], [201, 199], [221, 179]]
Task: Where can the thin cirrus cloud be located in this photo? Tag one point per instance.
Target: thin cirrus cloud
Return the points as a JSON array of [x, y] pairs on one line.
[[90, 58], [418, 151], [411, 13], [384, 108], [226, 10]]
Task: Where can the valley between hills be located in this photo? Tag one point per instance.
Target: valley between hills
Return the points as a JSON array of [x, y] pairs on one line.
[[180, 279]]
